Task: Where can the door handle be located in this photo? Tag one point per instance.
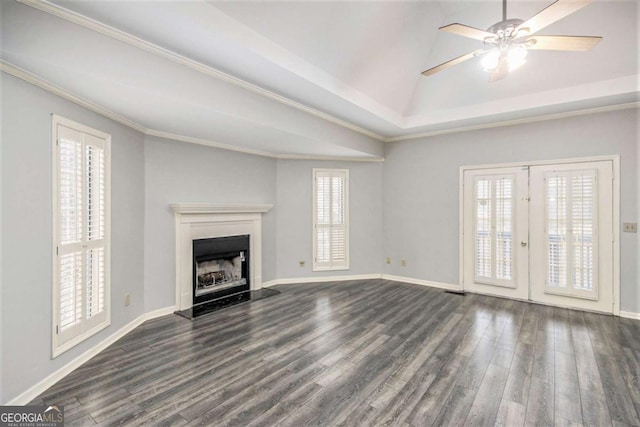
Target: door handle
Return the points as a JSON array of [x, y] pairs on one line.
[[523, 244]]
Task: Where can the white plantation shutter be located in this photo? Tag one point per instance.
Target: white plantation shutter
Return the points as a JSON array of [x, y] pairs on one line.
[[571, 234], [81, 284], [330, 219]]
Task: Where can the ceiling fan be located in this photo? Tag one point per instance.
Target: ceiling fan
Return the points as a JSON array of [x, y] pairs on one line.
[[506, 43]]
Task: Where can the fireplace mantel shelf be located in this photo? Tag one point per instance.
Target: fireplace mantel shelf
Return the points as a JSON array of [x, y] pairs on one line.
[[218, 208]]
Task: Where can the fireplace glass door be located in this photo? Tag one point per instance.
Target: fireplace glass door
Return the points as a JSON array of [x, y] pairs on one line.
[[220, 267]]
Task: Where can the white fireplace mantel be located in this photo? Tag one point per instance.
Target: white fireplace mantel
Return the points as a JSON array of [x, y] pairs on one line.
[[217, 208], [208, 220]]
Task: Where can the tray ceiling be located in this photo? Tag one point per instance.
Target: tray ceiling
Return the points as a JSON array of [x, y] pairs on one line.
[[313, 78]]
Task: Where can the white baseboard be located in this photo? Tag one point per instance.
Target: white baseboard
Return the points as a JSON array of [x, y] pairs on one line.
[[431, 284], [35, 390], [159, 312], [269, 283], [630, 315], [319, 279]]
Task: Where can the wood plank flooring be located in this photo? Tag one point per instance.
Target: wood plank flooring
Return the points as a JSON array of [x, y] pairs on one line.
[[365, 353]]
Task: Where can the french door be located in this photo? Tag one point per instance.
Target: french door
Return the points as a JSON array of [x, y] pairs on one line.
[[542, 233], [495, 229]]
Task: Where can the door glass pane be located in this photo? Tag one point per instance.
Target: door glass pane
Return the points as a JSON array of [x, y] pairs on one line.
[[494, 202], [570, 221], [583, 224], [483, 228], [557, 230], [504, 233]]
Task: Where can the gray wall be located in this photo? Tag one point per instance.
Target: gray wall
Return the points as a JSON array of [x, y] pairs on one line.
[[177, 172], [294, 203], [421, 178], [26, 228], [404, 208], [637, 217]]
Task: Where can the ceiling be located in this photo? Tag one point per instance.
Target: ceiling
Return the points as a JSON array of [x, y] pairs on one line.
[[311, 79]]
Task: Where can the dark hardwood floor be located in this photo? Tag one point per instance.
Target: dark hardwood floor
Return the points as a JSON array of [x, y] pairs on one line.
[[365, 353]]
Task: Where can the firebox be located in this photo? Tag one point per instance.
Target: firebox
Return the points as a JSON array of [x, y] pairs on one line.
[[220, 267]]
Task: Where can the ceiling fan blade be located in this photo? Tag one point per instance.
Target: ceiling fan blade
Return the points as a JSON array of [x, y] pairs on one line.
[[575, 43], [467, 31], [501, 71], [551, 14], [452, 62]]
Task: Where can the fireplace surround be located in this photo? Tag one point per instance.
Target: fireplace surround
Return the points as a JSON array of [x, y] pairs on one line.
[[197, 221]]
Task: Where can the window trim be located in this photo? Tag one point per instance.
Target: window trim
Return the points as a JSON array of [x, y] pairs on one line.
[[57, 347], [343, 265]]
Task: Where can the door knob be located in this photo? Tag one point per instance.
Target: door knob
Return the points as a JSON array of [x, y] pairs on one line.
[[523, 244]]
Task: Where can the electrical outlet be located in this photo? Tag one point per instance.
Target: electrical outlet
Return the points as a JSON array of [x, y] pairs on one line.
[[404, 262], [127, 299], [630, 227], [301, 263], [388, 260]]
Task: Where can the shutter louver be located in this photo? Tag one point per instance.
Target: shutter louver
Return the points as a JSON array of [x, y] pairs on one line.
[[323, 246], [557, 230], [582, 219], [70, 290], [95, 193], [504, 232], [483, 228], [70, 187]]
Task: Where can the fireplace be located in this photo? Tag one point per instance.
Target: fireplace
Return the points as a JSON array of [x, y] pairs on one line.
[[204, 221], [220, 267]]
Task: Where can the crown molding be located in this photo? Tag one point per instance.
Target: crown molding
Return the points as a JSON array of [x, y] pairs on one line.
[[139, 43], [37, 81], [209, 143], [329, 158], [503, 123], [28, 77]]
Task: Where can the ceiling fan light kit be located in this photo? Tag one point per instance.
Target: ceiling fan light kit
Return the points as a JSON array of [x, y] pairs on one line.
[[516, 56], [507, 43]]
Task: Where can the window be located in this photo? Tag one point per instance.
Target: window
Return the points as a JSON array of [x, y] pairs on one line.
[[81, 233], [330, 219]]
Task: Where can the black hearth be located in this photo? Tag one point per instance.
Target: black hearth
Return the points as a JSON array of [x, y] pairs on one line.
[[220, 267]]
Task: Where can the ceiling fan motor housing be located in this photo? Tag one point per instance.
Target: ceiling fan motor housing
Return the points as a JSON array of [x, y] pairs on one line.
[[505, 31]]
